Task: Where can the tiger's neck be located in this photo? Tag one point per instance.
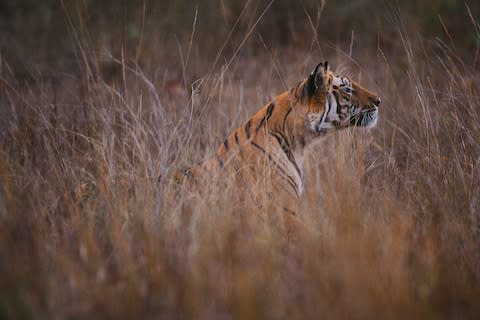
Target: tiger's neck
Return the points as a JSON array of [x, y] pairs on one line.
[[279, 132], [276, 134]]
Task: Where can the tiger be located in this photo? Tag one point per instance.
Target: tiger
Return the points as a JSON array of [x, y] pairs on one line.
[[265, 154]]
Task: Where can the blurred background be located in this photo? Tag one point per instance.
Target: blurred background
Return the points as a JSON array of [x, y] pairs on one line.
[[45, 35]]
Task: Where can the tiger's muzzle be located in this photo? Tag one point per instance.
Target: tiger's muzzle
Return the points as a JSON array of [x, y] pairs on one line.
[[367, 117]]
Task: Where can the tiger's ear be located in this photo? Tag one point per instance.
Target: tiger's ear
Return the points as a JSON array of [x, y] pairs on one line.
[[316, 79]]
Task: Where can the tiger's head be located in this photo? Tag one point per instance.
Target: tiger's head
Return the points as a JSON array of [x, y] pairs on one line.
[[351, 105], [337, 102]]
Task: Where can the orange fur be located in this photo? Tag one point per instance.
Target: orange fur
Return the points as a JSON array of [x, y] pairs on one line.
[[264, 155]]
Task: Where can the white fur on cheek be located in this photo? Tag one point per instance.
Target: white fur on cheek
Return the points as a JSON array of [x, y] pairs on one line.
[[330, 115], [372, 119], [337, 81]]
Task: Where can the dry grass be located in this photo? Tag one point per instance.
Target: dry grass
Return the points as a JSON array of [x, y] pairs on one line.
[[87, 230]]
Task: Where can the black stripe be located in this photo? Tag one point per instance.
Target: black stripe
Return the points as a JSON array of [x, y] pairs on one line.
[[341, 115], [283, 142], [289, 211], [285, 176], [248, 125], [301, 141], [279, 140], [339, 107], [285, 118], [325, 114], [283, 137], [292, 160], [267, 116], [295, 90], [236, 138], [220, 162], [225, 143], [329, 105]]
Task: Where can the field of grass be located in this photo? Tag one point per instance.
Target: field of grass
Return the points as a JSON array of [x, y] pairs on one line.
[[101, 102]]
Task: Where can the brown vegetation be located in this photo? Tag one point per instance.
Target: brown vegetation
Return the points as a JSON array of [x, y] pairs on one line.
[[98, 100]]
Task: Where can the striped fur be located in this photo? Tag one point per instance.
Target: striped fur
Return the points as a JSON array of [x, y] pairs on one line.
[[265, 154]]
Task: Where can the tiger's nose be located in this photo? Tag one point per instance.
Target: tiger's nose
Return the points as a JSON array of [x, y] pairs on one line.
[[377, 101]]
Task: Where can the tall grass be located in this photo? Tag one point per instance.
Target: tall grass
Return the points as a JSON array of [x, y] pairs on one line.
[[92, 227]]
